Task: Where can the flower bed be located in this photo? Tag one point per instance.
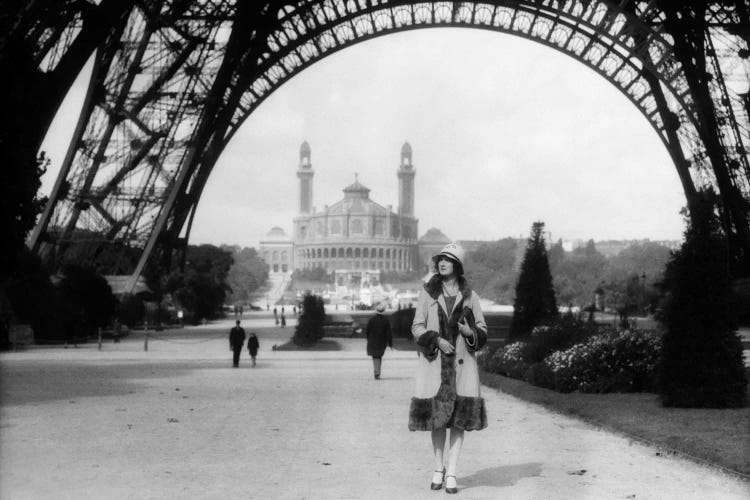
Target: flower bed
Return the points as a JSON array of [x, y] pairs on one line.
[[612, 362], [601, 360]]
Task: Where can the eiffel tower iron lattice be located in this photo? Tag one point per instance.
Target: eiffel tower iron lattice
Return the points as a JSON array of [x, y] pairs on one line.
[[174, 80]]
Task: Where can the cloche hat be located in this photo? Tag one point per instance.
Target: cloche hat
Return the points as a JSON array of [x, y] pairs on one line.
[[453, 251]]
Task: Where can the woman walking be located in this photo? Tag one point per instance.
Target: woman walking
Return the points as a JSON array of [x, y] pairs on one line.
[[449, 328]]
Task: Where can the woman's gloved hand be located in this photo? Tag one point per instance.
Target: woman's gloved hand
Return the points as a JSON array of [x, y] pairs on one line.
[[464, 328]]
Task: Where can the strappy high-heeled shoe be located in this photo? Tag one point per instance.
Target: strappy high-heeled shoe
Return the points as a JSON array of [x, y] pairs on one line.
[[437, 479], [450, 484]]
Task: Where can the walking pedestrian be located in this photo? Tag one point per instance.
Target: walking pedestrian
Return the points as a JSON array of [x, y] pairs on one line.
[[378, 332], [236, 339], [283, 318], [252, 346], [449, 328], [275, 316]]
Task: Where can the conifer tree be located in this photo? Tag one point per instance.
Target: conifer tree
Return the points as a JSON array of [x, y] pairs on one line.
[[535, 296], [310, 323], [701, 364]]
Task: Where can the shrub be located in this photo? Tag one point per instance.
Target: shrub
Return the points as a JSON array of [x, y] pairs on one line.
[[310, 323], [513, 359], [561, 334], [610, 362], [484, 358], [575, 356], [89, 300], [540, 374], [130, 310], [32, 298]]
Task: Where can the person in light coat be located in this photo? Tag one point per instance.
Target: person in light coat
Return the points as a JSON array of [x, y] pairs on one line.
[[448, 328]]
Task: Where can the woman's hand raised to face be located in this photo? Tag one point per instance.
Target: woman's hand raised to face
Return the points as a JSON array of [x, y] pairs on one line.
[[445, 346]]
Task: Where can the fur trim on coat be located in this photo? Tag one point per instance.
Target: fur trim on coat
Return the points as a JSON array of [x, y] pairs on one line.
[[428, 343], [470, 414], [466, 413]]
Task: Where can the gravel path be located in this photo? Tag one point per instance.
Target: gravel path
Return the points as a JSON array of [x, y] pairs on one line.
[[179, 422]]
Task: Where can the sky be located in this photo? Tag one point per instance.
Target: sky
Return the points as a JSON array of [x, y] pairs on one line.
[[504, 132]]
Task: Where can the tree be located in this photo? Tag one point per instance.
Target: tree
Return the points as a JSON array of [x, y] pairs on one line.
[[310, 323], [535, 298], [632, 274], [202, 287], [556, 256], [31, 298], [702, 362], [585, 269], [20, 205], [248, 273], [490, 271], [89, 297]]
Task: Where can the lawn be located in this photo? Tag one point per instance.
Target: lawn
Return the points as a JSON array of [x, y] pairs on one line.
[[720, 438]]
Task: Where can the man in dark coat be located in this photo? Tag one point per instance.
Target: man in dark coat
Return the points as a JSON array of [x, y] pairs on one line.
[[378, 337], [236, 339]]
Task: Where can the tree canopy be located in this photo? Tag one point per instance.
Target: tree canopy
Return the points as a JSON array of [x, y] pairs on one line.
[[246, 275], [202, 287], [491, 269]]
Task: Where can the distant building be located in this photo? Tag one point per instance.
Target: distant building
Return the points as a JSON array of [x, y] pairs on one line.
[[355, 238], [277, 250]]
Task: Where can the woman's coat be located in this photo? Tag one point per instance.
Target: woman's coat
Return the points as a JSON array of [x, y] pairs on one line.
[[252, 345], [447, 388]]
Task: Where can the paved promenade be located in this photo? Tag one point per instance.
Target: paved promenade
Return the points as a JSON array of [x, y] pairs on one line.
[[179, 422]]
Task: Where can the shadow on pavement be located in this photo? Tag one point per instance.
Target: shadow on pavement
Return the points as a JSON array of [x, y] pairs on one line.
[[501, 476]]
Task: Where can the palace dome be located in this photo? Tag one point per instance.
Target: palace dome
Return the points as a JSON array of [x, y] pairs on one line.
[[276, 234], [357, 202], [434, 236]]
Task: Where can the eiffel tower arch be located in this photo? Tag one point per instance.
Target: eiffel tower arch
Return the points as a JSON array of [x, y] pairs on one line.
[[174, 80]]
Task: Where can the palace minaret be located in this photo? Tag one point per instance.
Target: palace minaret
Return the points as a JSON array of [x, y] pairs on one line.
[[406, 174], [305, 175]]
